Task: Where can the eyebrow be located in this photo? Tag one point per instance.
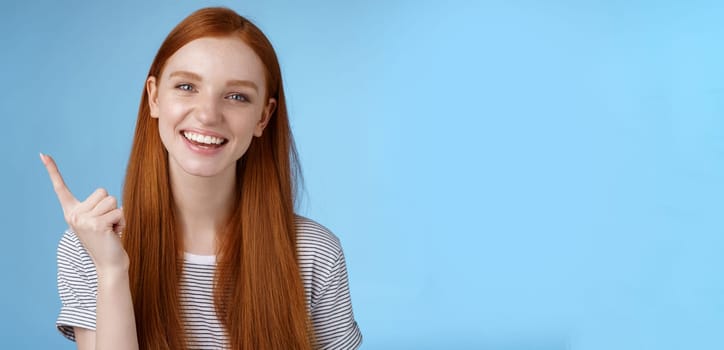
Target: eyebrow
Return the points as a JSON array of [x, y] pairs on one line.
[[248, 83], [194, 76], [186, 75]]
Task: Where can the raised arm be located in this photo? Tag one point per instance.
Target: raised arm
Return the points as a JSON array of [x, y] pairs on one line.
[[97, 222]]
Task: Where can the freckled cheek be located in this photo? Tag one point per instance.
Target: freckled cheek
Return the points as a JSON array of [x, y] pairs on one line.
[[172, 112], [243, 122], [178, 109]]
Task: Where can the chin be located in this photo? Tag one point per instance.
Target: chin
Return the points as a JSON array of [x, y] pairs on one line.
[[203, 168]]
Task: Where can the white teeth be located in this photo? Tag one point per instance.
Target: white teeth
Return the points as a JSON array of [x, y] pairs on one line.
[[209, 140]]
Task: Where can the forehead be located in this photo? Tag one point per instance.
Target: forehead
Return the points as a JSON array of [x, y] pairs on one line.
[[217, 60]]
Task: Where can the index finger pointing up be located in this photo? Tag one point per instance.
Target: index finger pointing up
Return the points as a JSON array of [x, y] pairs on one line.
[[67, 200]]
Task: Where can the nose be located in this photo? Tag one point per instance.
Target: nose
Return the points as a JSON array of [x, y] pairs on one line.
[[208, 110]]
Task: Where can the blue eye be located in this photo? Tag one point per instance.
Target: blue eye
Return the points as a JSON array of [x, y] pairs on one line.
[[239, 97], [185, 87]]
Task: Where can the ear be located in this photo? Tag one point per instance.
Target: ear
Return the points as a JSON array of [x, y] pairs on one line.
[[265, 117], [152, 91]]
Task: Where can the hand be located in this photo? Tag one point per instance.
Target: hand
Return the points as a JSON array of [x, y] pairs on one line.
[[97, 222]]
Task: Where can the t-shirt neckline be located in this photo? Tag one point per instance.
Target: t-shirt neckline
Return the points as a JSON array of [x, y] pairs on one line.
[[200, 259]]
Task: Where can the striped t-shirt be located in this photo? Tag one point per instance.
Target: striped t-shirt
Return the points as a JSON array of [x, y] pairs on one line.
[[321, 263]]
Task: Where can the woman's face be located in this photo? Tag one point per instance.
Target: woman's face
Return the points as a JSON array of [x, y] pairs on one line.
[[210, 102]]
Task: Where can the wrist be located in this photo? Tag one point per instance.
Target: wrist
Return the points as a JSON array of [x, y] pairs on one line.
[[112, 276], [113, 269]]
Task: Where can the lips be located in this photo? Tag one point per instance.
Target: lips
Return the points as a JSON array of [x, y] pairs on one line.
[[202, 142]]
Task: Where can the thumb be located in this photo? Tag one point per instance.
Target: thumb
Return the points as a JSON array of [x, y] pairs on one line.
[[118, 228]]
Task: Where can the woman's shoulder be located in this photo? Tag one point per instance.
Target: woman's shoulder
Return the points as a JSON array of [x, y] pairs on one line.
[[315, 239]]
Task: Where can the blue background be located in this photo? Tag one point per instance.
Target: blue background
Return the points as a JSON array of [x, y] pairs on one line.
[[502, 174]]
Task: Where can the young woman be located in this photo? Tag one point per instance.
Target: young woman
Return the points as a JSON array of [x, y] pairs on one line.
[[207, 251]]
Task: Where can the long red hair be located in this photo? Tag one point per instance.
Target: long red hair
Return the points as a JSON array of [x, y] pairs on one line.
[[258, 292]]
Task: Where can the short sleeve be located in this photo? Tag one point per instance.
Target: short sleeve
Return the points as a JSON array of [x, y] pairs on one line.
[[331, 310], [77, 286]]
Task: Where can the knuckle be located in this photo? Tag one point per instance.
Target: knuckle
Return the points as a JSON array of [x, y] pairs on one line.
[[96, 226], [113, 200], [73, 219], [102, 191]]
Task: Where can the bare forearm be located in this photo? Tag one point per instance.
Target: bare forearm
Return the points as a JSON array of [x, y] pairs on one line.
[[115, 322]]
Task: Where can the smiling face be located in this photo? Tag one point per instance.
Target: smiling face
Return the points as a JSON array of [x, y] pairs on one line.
[[210, 101]]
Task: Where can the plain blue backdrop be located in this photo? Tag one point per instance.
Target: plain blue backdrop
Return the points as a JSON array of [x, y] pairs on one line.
[[502, 174]]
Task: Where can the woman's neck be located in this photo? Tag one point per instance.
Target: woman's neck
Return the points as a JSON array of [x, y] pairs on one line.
[[203, 205]]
